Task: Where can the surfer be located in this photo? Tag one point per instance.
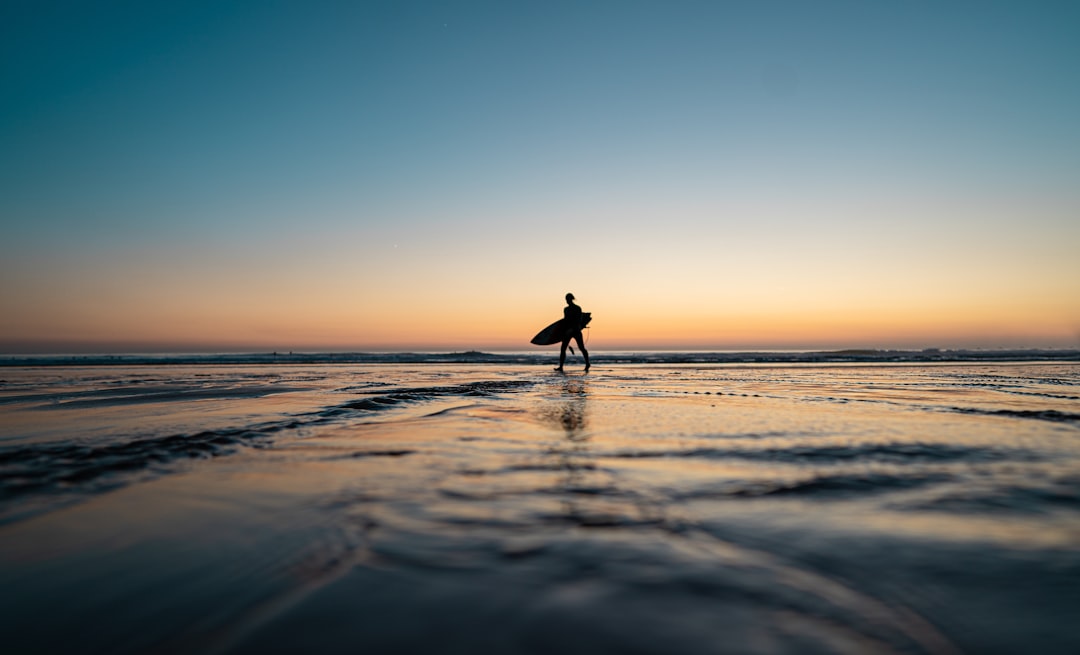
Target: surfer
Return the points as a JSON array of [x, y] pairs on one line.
[[572, 316]]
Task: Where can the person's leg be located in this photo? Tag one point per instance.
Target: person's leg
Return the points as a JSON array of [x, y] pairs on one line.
[[562, 353], [581, 347]]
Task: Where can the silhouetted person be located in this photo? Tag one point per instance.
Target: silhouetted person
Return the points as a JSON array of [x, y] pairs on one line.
[[572, 316]]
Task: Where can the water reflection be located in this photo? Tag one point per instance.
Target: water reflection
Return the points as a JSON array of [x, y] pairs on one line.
[[571, 409], [578, 484], [568, 411]]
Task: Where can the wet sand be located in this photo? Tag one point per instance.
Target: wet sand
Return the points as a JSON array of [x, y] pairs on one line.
[[456, 508]]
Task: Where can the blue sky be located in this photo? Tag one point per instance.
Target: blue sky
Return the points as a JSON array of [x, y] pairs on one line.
[[250, 145]]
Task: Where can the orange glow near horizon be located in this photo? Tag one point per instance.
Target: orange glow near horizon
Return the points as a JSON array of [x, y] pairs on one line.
[[275, 317], [320, 285]]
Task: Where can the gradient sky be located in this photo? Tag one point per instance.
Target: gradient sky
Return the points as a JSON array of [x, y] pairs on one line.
[[413, 175]]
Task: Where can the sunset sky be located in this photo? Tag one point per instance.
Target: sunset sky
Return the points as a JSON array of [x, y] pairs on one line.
[[418, 175]]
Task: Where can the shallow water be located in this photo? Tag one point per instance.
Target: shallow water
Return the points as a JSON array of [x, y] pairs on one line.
[[641, 508]]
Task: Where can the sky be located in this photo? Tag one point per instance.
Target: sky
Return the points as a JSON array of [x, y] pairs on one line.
[[204, 176]]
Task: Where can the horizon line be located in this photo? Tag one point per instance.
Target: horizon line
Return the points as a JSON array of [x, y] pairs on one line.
[[536, 351]]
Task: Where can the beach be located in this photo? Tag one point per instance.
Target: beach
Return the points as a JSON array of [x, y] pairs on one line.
[[492, 506]]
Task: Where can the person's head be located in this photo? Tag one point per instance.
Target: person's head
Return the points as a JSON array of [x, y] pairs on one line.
[[569, 298]]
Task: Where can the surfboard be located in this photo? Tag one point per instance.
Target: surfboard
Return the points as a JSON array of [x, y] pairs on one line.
[[556, 332]]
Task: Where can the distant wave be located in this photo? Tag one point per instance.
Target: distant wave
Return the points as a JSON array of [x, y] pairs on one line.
[[546, 357]]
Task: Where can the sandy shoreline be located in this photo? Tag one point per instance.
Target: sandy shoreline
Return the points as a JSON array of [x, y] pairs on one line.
[[638, 509]]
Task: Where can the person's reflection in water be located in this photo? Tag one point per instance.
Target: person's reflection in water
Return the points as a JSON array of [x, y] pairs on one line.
[[572, 453], [571, 412]]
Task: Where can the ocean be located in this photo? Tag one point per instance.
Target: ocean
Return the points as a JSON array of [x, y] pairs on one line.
[[854, 502]]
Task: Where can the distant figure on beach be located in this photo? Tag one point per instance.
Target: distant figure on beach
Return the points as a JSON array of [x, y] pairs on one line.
[[572, 316], [563, 330]]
